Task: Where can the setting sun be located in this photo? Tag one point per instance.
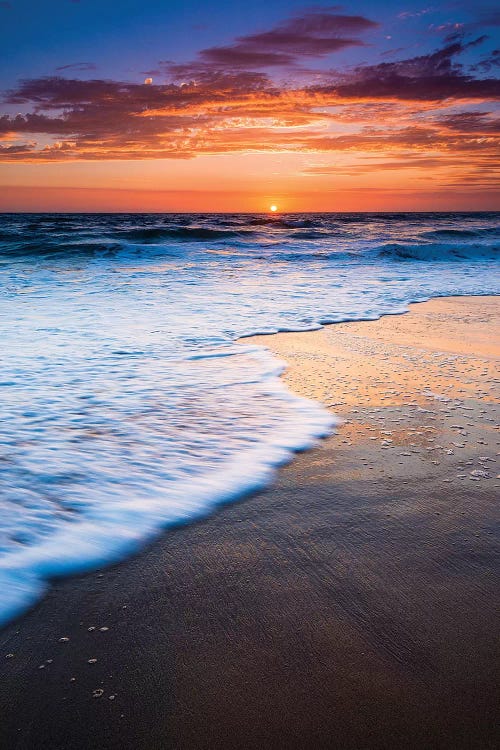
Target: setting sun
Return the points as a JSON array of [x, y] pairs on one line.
[[273, 208]]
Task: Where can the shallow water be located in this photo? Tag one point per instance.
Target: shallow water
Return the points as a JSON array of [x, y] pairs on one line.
[[127, 406]]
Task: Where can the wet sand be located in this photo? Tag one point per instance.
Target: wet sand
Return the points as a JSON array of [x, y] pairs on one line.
[[353, 604]]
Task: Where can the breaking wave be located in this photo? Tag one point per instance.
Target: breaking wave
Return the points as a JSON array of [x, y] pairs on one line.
[[440, 252]]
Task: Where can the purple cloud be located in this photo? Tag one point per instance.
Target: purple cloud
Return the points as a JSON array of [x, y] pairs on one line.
[[471, 122], [433, 77], [488, 63], [79, 66], [22, 149], [315, 33]]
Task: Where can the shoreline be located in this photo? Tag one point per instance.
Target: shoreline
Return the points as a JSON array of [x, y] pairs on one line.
[[78, 568], [327, 606]]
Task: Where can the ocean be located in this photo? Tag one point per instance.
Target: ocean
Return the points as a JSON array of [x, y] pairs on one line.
[[128, 405]]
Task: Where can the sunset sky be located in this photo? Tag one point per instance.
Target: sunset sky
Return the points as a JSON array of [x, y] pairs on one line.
[[214, 105]]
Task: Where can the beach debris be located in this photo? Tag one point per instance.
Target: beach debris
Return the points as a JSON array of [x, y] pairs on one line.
[[9, 656], [480, 474], [91, 628], [103, 629], [92, 661], [64, 639], [97, 693], [111, 697]]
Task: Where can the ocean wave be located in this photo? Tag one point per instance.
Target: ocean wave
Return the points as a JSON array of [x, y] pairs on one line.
[[439, 252], [54, 249], [477, 233], [79, 519], [181, 234], [277, 222]]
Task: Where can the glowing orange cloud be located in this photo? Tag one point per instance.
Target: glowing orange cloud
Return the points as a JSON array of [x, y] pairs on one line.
[[421, 124]]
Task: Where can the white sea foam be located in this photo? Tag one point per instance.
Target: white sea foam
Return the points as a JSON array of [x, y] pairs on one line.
[[127, 406]]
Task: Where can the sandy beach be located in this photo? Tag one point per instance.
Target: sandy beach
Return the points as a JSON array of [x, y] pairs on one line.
[[352, 604]]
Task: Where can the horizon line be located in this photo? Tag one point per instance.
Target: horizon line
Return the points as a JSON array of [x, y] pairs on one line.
[[246, 213]]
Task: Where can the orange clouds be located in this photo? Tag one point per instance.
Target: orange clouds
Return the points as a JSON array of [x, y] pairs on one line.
[[222, 111], [429, 113]]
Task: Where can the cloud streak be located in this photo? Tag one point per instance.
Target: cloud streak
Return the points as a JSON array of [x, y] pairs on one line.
[[313, 34], [79, 66]]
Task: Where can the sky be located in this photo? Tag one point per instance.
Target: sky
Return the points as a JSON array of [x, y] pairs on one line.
[[206, 105]]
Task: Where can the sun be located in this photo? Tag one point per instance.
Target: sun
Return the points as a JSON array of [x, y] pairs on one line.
[[273, 209]]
